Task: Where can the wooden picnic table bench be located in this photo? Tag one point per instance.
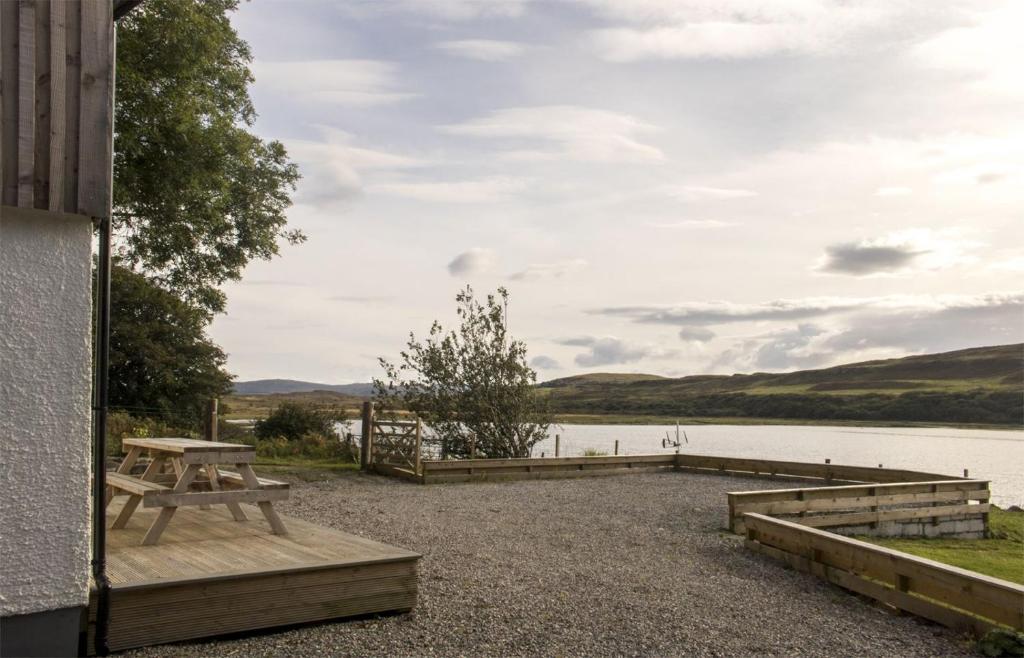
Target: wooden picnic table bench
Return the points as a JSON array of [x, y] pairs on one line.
[[196, 480]]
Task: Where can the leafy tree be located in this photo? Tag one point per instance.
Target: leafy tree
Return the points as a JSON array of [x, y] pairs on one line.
[[294, 421], [470, 385], [196, 195], [162, 365]]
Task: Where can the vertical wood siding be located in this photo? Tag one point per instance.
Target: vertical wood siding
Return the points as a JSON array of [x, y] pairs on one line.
[[56, 104]]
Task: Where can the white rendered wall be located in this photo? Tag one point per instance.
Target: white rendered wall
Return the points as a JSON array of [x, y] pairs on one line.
[[45, 365]]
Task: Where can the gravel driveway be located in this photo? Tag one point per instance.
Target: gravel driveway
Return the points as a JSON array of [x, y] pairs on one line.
[[623, 565]]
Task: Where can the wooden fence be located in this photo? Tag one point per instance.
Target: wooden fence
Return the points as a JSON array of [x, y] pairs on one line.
[[466, 470], [858, 505], [951, 596]]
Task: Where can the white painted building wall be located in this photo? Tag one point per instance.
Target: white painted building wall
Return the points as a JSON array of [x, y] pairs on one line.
[[45, 387]]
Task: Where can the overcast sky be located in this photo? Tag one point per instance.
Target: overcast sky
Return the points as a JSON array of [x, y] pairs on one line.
[[664, 186]]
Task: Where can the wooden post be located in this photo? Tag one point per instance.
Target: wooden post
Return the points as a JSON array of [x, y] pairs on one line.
[[965, 473], [558, 444], [419, 443], [616, 446], [211, 420], [366, 442]]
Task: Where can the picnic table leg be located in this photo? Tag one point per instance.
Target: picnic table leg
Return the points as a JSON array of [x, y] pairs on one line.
[[214, 475], [253, 482], [125, 468], [162, 519], [133, 501], [179, 468]]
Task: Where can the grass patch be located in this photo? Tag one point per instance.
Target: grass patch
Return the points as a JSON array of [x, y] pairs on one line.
[[594, 452], [1001, 556], [306, 470]]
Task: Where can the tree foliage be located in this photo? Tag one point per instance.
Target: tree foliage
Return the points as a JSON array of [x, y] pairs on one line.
[[196, 194], [470, 385], [294, 421], [162, 365]]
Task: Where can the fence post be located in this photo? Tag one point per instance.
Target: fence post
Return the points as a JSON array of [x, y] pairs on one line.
[[366, 441], [210, 421], [558, 444], [419, 443], [616, 446]]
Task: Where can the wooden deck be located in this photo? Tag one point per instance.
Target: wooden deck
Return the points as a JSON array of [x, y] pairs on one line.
[[211, 575]]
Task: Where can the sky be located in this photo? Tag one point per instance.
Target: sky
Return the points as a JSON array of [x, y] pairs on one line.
[[665, 186]]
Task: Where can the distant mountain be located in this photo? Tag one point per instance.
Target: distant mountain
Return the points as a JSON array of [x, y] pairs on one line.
[[977, 385], [271, 386]]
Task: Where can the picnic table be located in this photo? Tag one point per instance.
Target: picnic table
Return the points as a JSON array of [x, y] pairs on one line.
[[185, 472]]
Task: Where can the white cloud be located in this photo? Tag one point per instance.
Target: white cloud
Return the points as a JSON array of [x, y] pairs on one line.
[[464, 10], [695, 224], [730, 29], [894, 191], [565, 131], [542, 362], [609, 350], [351, 82], [335, 169], [485, 50], [989, 50], [478, 260], [549, 270], [483, 190], [704, 193]]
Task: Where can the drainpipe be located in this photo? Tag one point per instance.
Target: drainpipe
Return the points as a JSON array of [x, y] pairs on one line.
[[99, 465]]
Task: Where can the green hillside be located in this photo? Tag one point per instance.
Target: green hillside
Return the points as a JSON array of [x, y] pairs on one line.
[[978, 385]]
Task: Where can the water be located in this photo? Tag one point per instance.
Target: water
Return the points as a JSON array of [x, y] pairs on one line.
[[996, 455]]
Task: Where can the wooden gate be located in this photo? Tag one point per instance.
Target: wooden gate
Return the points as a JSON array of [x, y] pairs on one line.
[[396, 444]]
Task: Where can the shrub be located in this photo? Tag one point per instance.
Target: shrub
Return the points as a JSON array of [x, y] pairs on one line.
[[121, 425], [594, 452], [311, 446], [294, 421]]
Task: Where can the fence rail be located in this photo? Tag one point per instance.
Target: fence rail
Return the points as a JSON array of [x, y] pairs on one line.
[[951, 596], [825, 507]]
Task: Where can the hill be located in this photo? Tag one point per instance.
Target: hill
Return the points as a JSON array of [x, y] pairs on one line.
[[271, 386], [978, 385]]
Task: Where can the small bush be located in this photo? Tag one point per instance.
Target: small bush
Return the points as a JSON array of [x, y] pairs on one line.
[[311, 446], [121, 425], [595, 452], [294, 421]]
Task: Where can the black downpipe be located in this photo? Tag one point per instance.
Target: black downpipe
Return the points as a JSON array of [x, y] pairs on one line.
[[99, 466]]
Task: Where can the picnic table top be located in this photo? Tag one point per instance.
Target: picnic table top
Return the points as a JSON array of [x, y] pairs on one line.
[[183, 446]]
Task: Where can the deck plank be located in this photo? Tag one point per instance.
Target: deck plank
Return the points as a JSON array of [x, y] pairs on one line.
[[211, 575]]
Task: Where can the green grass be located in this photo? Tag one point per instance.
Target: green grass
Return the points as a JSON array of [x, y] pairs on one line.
[[1001, 556], [307, 470]]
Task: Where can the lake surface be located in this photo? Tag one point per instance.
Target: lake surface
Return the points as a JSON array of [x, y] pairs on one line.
[[996, 455]]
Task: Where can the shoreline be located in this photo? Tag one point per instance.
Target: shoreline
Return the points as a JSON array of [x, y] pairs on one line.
[[625, 419]]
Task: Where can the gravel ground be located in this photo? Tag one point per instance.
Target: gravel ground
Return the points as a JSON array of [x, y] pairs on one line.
[[625, 565]]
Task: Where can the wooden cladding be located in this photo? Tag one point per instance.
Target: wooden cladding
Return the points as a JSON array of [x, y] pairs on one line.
[[56, 105]]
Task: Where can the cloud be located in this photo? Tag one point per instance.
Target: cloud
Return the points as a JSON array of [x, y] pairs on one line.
[[960, 322], [497, 188], [360, 299], [729, 29], [334, 168], [695, 224], [484, 50], [350, 82], [897, 252], [860, 259], [549, 270], [565, 132], [894, 191], [606, 351], [542, 362], [477, 260], [696, 334], [712, 313], [700, 193], [462, 10], [786, 349]]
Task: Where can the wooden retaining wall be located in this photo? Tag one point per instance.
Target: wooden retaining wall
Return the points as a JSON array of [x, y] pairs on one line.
[[958, 598], [862, 508], [470, 470]]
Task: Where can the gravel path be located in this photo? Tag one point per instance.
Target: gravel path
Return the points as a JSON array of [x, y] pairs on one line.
[[624, 565]]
